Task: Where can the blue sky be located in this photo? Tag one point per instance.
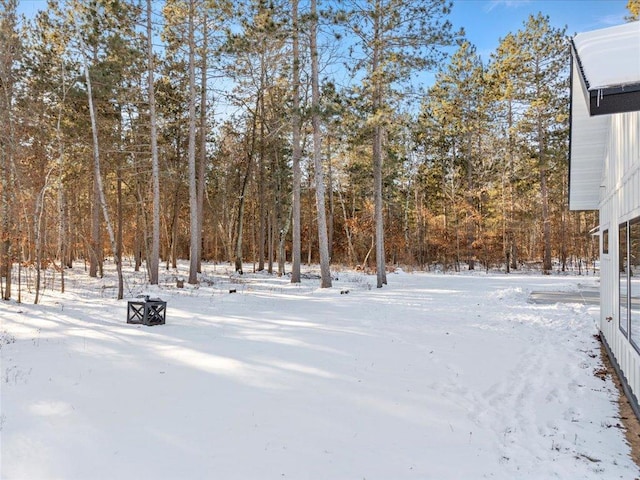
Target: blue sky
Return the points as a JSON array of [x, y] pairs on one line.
[[486, 21]]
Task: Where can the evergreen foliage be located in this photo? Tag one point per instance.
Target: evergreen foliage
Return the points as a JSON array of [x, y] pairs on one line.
[[260, 123]]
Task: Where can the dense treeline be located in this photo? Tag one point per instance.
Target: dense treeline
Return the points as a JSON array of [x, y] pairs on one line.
[[218, 131]]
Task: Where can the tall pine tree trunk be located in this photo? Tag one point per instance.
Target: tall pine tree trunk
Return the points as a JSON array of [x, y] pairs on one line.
[[175, 219], [378, 132], [8, 50], [202, 165], [296, 249], [95, 241], [193, 197], [262, 203], [62, 198], [98, 178], [155, 170], [95, 244], [546, 221], [120, 228], [243, 194], [331, 219], [38, 229], [470, 220], [6, 227], [323, 242]]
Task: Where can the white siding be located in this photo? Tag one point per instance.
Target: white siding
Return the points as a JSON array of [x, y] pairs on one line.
[[620, 201], [588, 144]]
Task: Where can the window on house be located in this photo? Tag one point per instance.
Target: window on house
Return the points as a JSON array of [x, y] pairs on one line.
[[623, 262], [634, 282], [605, 241]]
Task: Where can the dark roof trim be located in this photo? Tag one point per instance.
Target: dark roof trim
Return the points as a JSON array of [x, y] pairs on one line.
[[621, 99]]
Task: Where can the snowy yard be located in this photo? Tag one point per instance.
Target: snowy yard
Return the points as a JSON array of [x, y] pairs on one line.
[[432, 377]]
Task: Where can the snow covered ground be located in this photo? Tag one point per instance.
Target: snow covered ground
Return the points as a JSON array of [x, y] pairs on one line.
[[432, 377]]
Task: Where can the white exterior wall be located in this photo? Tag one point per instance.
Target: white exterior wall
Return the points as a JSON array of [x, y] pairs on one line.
[[619, 202]]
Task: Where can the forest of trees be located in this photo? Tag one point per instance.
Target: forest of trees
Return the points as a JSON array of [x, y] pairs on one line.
[[280, 132]]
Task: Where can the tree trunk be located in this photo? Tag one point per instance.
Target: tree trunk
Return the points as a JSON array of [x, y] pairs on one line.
[[155, 170], [513, 249], [470, 220], [262, 207], [350, 249], [282, 253], [330, 223], [377, 195], [546, 224], [544, 191], [243, 194], [7, 146], [378, 132], [98, 178], [119, 231], [203, 137], [270, 241], [38, 229], [62, 199], [174, 228], [563, 226], [142, 222], [278, 231], [193, 197], [239, 222], [296, 248], [6, 262], [323, 241], [175, 217], [94, 243]]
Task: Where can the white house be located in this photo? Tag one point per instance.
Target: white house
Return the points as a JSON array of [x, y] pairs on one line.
[[604, 175]]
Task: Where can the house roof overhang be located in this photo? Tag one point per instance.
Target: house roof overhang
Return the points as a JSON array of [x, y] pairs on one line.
[[605, 79], [608, 63]]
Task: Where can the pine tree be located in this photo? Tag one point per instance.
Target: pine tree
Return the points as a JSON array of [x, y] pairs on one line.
[[154, 260], [10, 51], [255, 59], [194, 217], [51, 70], [459, 91], [545, 74], [634, 10], [394, 38], [108, 48], [43, 91], [505, 83], [195, 25], [323, 241], [296, 147]]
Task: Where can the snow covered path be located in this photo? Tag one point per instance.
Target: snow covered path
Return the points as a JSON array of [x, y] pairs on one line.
[[432, 377]]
